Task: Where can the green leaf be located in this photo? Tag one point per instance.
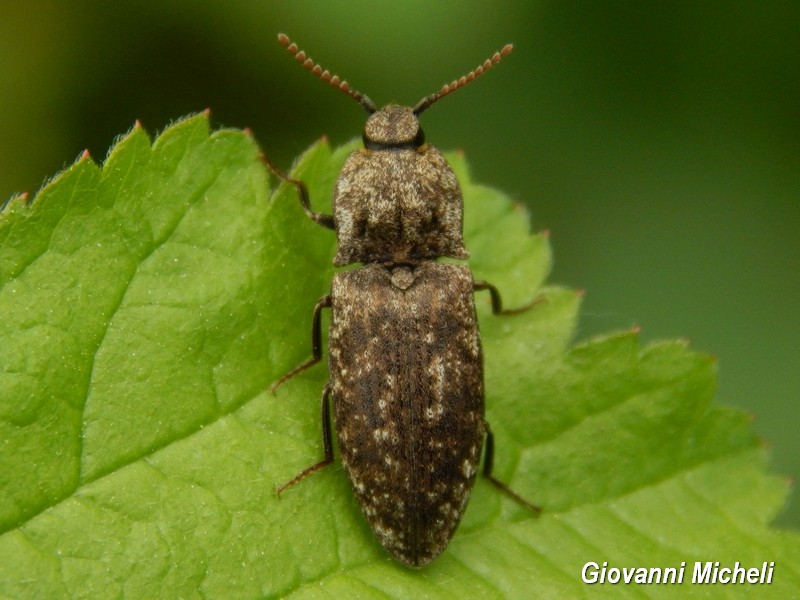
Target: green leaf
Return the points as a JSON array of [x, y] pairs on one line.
[[146, 306]]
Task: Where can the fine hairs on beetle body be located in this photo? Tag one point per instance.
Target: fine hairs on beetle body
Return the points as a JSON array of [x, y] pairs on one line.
[[405, 357]]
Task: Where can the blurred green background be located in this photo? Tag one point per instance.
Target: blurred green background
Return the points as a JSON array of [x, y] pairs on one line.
[[659, 142]]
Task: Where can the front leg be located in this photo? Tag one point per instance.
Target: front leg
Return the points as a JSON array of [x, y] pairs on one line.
[[302, 192]]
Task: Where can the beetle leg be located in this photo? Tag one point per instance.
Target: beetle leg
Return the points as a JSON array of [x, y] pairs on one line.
[[327, 444], [302, 192], [316, 345], [497, 303], [488, 464]]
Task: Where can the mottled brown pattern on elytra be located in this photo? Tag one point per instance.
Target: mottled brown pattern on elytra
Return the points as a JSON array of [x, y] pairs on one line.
[[407, 380], [397, 204]]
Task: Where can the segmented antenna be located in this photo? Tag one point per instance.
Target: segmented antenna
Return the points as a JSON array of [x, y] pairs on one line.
[[325, 75], [451, 87]]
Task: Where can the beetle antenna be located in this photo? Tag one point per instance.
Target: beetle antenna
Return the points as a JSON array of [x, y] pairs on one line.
[[332, 80], [451, 87]]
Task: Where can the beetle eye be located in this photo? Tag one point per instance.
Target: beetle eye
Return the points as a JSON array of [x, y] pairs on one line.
[[419, 139]]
